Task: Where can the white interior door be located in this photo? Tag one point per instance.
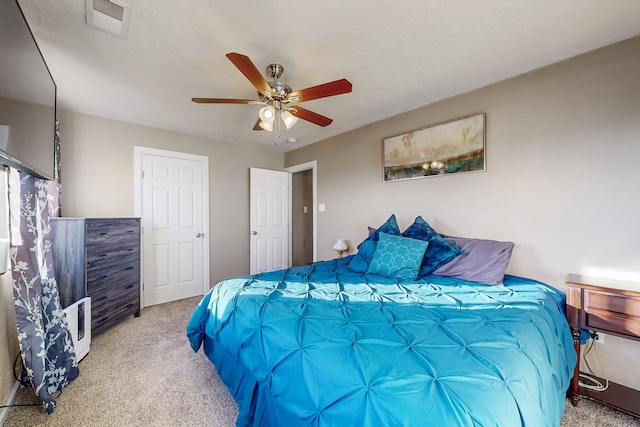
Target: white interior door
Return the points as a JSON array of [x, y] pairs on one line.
[[174, 223], [269, 220]]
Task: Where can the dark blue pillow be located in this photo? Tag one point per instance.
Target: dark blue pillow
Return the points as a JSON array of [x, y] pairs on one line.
[[439, 252], [360, 261]]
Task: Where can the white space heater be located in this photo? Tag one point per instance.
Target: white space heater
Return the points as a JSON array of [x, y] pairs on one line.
[[79, 320]]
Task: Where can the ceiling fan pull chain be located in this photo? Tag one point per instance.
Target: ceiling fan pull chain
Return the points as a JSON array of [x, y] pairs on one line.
[[276, 134]]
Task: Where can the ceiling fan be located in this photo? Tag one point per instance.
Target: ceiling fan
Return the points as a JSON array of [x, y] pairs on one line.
[[279, 100]]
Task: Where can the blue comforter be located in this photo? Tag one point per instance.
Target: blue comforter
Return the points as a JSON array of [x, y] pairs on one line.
[[321, 345]]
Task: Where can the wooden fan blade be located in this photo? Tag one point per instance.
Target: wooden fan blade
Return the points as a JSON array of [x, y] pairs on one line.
[[257, 126], [310, 116], [246, 67], [321, 91], [225, 101]]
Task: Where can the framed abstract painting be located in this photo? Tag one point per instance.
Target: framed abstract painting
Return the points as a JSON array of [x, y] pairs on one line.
[[446, 148]]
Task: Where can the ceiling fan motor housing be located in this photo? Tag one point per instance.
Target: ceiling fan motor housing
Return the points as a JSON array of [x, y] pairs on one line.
[[281, 91], [275, 71]]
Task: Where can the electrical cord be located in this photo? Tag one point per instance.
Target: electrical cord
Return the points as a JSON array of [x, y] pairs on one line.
[[594, 384], [23, 384]]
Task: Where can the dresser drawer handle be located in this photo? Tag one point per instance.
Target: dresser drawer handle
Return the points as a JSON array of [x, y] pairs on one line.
[[103, 233], [127, 268]]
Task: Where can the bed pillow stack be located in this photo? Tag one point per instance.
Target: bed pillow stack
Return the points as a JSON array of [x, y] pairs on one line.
[[420, 250], [437, 252]]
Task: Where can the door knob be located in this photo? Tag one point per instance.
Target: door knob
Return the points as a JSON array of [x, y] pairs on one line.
[[200, 235], [254, 232]]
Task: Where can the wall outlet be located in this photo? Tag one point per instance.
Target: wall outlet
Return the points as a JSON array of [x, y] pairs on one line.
[[598, 337]]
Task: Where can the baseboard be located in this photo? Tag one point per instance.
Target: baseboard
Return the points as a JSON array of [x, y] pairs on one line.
[[10, 399]]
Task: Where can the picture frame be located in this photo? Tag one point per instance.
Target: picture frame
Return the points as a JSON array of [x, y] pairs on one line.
[[446, 148]]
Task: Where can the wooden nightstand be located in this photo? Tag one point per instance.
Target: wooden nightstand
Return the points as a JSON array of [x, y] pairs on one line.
[[611, 307]]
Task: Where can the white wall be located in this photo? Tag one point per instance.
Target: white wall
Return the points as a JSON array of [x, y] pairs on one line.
[[563, 146]]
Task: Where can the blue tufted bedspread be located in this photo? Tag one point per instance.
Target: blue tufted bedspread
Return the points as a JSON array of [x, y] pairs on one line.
[[321, 345]]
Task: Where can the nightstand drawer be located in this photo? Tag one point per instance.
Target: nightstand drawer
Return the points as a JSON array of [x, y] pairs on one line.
[[595, 300], [612, 312], [613, 322]]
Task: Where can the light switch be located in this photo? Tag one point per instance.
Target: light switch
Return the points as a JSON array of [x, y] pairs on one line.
[[321, 207], [305, 210]]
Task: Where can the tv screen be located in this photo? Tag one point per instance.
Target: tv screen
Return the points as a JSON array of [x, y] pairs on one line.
[[27, 97]]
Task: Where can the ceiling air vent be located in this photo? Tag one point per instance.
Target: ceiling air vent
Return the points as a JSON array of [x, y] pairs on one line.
[[110, 16]]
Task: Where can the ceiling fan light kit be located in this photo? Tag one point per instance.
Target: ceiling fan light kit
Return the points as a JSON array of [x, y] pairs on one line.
[[277, 96], [267, 116], [288, 119]]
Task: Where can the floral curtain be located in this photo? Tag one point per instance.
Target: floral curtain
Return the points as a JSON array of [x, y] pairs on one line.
[[48, 356]]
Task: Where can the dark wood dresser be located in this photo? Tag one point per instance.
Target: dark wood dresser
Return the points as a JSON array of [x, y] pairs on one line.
[[611, 307], [99, 258]]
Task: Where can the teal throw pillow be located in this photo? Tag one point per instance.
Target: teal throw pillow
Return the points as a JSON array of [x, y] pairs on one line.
[[398, 257]]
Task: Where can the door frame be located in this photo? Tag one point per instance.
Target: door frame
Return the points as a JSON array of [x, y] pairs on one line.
[[313, 166], [138, 152]]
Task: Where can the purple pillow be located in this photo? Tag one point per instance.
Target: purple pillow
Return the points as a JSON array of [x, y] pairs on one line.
[[483, 261]]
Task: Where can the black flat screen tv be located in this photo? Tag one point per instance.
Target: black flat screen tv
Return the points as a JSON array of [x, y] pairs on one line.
[[27, 97]]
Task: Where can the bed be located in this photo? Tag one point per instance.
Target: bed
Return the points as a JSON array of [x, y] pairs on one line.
[[329, 344]]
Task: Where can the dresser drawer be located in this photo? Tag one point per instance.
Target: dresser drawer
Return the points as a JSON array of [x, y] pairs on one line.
[[112, 275], [107, 298], [109, 248], [112, 262], [107, 242], [97, 228], [112, 304]]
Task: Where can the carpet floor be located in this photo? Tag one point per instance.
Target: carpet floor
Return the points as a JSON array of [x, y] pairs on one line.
[[142, 372]]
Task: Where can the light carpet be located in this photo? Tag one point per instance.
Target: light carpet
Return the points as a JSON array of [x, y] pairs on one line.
[[142, 372]]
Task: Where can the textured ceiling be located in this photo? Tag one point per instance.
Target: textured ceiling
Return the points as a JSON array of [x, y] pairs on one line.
[[398, 55]]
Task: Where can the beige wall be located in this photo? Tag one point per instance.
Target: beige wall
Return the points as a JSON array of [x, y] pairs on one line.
[[562, 177], [97, 179], [301, 221], [8, 333]]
